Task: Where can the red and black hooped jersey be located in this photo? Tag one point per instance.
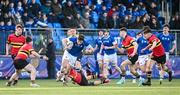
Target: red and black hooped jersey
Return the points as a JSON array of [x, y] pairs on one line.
[[16, 42], [127, 44], [24, 51], [76, 77], [159, 49]]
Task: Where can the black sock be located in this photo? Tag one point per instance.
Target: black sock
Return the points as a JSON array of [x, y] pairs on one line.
[[149, 76], [137, 75]]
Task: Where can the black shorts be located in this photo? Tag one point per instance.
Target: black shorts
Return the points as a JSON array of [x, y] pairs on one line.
[[161, 59], [84, 81], [20, 63], [133, 59]]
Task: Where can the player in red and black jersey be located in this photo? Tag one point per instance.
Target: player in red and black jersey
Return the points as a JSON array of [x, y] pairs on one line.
[[158, 54], [21, 63], [79, 78], [130, 45], [14, 43]]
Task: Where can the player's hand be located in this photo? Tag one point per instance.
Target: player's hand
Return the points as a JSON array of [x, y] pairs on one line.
[[171, 51], [105, 47], [45, 57], [150, 49], [143, 50]]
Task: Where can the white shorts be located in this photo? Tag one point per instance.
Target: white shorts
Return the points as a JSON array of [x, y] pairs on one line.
[[142, 59], [110, 58], [99, 57], [167, 56], [72, 59]]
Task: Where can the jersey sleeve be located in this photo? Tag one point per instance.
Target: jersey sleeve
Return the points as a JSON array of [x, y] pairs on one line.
[[30, 49], [86, 43], [8, 40], [114, 41], [172, 37], [131, 40], [72, 39]]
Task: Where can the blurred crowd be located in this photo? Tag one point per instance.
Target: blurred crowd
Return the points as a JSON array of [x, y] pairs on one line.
[[133, 14]]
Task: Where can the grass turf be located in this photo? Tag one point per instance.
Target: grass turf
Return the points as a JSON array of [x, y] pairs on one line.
[[50, 87]]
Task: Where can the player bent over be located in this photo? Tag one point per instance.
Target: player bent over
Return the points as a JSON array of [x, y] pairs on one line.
[[21, 63], [130, 46], [158, 54], [80, 79]]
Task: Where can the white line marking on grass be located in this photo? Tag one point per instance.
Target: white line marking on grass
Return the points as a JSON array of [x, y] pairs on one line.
[[88, 88]]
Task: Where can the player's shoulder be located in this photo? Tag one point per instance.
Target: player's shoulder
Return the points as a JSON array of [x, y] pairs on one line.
[[11, 35]]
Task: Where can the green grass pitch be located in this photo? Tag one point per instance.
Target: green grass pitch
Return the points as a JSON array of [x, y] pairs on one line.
[[50, 87]]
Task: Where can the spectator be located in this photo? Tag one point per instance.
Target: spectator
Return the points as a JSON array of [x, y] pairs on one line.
[[34, 8], [86, 22], [9, 27], [111, 12], [56, 8], [20, 8], [79, 21], [69, 10], [44, 18], [94, 18], [2, 26], [46, 8], [11, 8], [154, 24], [69, 22], [25, 17], [50, 53], [153, 10], [113, 22], [102, 10], [137, 24], [103, 23], [145, 20], [142, 11], [25, 5], [175, 22]]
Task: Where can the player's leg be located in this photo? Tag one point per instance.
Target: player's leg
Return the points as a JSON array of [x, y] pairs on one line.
[[105, 66], [133, 70], [100, 62], [123, 71], [149, 65], [168, 66], [13, 77], [31, 69], [115, 62]]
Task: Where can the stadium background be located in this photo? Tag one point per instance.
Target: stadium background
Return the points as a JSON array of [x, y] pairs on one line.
[[46, 19]]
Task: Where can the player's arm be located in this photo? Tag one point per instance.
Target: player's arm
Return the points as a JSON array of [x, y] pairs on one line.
[[37, 55], [153, 45], [121, 50], [146, 48], [173, 47], [112, 47], [64, 42], [89, 49], [8, 46], [135, 48]]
